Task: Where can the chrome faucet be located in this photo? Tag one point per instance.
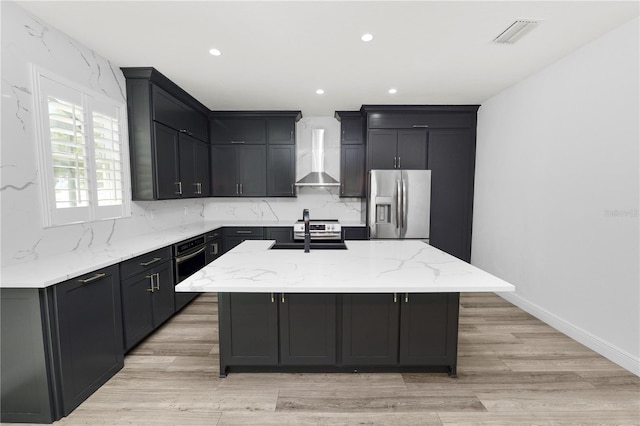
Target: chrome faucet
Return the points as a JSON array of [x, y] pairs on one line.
[[307, 232]]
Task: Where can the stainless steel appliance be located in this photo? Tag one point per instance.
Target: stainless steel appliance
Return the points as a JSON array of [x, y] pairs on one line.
[[399, 204], [189, 258], [319, 230]]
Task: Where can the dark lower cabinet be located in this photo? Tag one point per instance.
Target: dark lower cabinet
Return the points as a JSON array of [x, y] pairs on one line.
[[429, 329], [232, 236], [59, 345], [307, 329], [338, 332], [282, 234], [214, 245], [355, 233], [369, 329], [148, 300], [248, 329]]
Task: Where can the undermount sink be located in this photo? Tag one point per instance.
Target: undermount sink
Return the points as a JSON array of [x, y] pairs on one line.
[[313, 246]]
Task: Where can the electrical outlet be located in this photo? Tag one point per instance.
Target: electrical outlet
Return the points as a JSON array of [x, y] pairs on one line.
[[186, 210]]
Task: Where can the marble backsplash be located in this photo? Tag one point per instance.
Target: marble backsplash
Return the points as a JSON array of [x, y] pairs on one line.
[[28, 41]]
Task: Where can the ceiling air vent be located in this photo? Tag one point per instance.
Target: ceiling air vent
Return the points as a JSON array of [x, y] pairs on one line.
[[515, 31]]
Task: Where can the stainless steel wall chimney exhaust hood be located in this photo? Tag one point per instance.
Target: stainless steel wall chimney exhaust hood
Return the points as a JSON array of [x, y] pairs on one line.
[[317, 177]]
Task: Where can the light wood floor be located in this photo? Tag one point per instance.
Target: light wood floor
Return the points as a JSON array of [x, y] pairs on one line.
[[512, 369]]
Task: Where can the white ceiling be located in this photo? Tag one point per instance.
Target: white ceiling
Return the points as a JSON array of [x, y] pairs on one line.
[[276, 54]]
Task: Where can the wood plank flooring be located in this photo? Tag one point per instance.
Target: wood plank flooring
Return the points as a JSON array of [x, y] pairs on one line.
[[512, 369]]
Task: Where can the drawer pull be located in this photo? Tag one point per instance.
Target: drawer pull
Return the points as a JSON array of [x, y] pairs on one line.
[[93, 278], [154, 260], [238, 142], [420, 126], [243, 232]]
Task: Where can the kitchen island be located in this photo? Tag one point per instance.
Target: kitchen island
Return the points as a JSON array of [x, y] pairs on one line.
[[380, 305]]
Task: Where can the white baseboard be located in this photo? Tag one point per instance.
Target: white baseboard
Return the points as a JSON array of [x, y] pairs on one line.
[[613, 353]]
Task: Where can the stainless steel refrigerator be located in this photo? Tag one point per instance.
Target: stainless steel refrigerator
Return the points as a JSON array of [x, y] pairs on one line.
[[399, 204]]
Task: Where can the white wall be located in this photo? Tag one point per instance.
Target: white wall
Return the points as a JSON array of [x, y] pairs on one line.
[[557, 194], [28, 40]]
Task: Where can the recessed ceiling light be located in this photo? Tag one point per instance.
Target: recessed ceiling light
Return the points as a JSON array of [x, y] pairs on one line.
[[367, 37], [320, 92], [393, 91], [215, 52]]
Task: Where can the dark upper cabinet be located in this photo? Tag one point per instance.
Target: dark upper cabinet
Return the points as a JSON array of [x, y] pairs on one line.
[[194, 167], [248, 329], [281, 131], [352, 171], [452, 165], [152, 101], [238, 131], [397, 149], [281, 171], [238, 171], [370, 329], [307, 329], [352, 154], [167, 166], [429, 329], [167, 109], [253, 153], [88, 330]]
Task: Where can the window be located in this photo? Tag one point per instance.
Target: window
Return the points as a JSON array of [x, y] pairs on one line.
[[83, 161]]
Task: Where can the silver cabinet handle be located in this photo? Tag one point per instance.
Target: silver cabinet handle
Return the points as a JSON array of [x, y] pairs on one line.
[[237, 189], [154, 260], [179, 185], [243, 232], [395, 297], [292, 188], [282, 298], [157, 275], [197, 187], [406, 298], [420, 126], [93, 278], [395, 160], [240, 189], [238, 142], [185, 131], [292, 136], [273, 298], [399, 164], [214, 249], [151, 279]]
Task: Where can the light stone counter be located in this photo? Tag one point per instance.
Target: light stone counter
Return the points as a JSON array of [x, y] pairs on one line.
[[376, 266]]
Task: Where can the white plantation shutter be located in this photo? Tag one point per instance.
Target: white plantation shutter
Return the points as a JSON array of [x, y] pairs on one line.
[[83, 162]]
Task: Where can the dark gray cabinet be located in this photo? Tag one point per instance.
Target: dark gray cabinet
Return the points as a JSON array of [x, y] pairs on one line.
[[194, 167], [238, 171], [214, 245], [370, 329], [59, 345], [282, 234], [307, 329], [397, 149], [352, 154], [153, 101], [248, 329], [429, 329], [253, 153], [352, 171], [232, 236], [148, 297], [452, 165], [281, 171], [355, 233]]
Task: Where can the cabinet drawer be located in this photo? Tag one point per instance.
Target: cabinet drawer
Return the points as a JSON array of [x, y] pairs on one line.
[[243, 231], [238, 131], [408, 121], [216, 233], [146, 261], [177, 115]]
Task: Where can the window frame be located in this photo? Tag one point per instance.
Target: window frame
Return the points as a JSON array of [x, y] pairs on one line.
[[91, 102]]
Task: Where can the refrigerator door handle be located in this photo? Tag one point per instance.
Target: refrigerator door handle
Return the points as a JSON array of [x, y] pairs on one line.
[[404, 203], [398, 204]]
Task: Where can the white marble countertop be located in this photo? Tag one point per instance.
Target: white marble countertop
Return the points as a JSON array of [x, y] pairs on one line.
[[48, 271], [376, 266]]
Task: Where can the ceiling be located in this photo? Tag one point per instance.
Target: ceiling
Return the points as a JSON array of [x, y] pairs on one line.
[[275, 55]]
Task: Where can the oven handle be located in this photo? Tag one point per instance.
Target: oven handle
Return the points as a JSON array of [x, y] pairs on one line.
[[179, 260]]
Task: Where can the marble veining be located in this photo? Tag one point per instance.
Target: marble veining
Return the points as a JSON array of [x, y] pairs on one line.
[[376, 266]]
